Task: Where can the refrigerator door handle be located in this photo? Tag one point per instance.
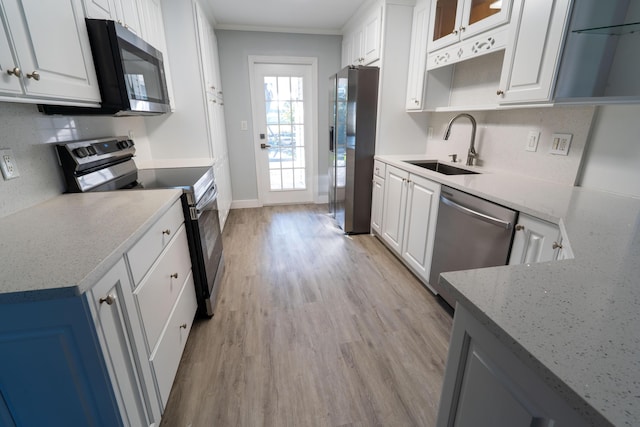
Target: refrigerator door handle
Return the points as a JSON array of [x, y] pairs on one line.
[[331, 131]]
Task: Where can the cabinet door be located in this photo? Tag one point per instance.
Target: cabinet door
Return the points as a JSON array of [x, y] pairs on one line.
[[534, 241], [420, 224], [371, 37], [483, 15], [347, 48], [129, 16], [52, 47], [446, 16], [100, 9], [487, 385], [418, 56], [393, 212], [9, 83], [107, 302], [357, 56], [377, 199], [532, 53]]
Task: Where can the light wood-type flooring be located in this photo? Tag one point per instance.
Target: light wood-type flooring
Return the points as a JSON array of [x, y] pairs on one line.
[[312, 328]]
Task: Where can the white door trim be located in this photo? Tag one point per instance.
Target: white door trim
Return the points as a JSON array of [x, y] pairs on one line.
[[293, 60]]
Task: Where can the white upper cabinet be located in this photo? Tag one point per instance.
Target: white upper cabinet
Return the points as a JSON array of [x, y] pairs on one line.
[[125, 12], [361, 42], [532, 53], [51, 48], [9, 71], [418, 56], [456, 20]]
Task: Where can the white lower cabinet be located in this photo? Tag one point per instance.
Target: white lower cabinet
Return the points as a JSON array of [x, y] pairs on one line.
[[166, 357], [420, 224], [486, 385], [534, 241], [394, 207], [409, 213], [377, 198], [108, 301]]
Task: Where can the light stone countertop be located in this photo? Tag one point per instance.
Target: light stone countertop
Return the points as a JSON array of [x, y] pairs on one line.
[[576, 323], [61, 247]]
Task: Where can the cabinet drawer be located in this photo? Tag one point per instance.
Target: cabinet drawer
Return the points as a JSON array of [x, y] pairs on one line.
[[148, 248], [166, 358], [159, 290], [379, 168]]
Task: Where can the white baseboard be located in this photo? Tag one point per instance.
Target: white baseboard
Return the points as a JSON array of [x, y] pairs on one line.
[[322, 200], [246, 204]]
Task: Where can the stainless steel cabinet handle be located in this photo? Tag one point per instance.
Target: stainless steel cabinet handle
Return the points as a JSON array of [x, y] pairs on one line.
[[34, 75], [519, 227], [556, 245], [499, 92], [483, 217], [183, 326], [109, 299], [167, 232], [15, 72], [174, 275], [263, 146]]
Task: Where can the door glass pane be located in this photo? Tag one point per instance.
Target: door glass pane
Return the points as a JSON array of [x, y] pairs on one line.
[[285, 126], [445, 20], [481, 9]]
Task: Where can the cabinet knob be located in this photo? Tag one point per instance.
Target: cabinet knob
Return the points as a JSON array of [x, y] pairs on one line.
[[34, 75], [416, 101], [462, 29], [499, 92], [174, 276], [455, 32], [167, 232], [183, 326], [556, 245], [15, 72], [109, 299], [519, 227]]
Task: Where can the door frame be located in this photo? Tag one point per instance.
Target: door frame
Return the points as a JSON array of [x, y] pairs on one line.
[[287, 60]]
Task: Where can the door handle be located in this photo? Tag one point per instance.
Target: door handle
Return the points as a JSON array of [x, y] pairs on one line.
[[263, 146], [478, 215]]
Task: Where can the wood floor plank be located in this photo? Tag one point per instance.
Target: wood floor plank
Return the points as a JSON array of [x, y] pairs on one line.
[[312, 328]]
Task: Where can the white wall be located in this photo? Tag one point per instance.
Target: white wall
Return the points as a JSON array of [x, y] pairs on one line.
[[501, 138], [612, 162], [31, 135], [234, 50]]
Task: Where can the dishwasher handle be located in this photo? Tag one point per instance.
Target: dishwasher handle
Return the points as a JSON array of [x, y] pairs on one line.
[[478, 215]]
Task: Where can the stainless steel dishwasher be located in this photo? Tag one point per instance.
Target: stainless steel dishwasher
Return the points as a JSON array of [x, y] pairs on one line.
[[470, 233]]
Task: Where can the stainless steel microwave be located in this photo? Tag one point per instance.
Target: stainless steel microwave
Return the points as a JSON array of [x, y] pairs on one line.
[[130, 74]]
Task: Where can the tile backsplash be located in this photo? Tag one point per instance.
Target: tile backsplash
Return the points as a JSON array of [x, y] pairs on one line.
[[502, 136], [31, 135]]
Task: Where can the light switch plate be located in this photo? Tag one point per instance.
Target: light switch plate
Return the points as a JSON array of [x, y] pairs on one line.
[[8, 164], [560, 143], [532, 140]]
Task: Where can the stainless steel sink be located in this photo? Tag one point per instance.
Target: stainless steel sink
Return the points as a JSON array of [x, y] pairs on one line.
[[442, 168]]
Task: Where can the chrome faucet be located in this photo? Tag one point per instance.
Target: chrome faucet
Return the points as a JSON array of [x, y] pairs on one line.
[[472, 156]]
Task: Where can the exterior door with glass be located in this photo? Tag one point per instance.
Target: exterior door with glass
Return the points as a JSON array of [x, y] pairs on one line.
[[283, 108]]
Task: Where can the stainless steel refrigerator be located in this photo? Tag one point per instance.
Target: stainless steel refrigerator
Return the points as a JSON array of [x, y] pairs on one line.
[[353, 103]]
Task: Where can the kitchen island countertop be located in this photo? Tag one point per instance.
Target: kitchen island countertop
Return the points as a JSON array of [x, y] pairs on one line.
[[61, 247], [576, 322]]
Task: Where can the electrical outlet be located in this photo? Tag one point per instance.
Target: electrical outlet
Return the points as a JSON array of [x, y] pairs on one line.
[[8, 164], [532, 140], [560, 143]]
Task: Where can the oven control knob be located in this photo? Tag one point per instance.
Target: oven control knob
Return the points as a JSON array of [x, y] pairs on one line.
[[81, 152], [91, 150], [122, 145]]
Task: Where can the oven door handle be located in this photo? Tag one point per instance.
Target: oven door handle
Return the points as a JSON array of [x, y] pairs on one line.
[[210, 196], [483, 217]]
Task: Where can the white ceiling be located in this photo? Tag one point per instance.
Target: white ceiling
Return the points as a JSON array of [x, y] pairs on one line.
[[295, 16]]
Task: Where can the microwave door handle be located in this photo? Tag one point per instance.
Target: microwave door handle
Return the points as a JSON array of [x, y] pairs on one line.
[[478, 215]]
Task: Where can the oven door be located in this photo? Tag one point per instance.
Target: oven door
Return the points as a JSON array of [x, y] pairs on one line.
[[209, 242]]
